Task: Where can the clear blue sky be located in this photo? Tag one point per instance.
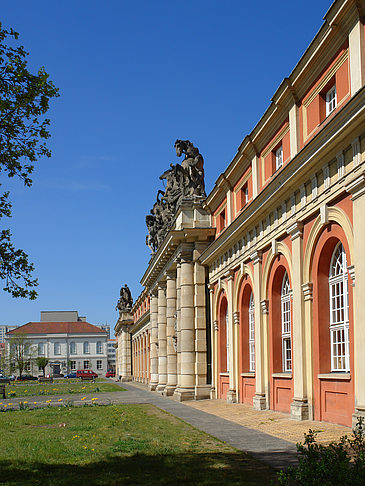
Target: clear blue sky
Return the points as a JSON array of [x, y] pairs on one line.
[[133, 77]]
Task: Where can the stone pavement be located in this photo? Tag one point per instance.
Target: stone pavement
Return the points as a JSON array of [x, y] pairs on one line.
[[268, 436]]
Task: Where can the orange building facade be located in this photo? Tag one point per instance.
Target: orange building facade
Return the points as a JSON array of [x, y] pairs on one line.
[[285, 267]]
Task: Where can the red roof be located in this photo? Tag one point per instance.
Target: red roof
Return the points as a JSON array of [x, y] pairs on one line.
[[79, 327]]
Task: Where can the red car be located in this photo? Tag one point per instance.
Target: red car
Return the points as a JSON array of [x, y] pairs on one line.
[[86, 374], [110, 374]]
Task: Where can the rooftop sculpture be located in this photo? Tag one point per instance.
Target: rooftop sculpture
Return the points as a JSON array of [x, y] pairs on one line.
[[125, 302], [182, 181]]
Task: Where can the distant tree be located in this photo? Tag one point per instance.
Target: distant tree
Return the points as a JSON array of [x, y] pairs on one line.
[[24, 99], [42, 363], [19, 353]]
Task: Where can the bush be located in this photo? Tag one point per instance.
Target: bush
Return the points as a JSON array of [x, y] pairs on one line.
[[341, 463]]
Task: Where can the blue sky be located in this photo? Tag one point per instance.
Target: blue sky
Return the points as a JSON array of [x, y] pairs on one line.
[[133, 77]]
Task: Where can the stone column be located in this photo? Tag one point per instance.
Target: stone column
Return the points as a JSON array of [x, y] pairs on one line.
[[178, 323], [185, 391], [154, 341], [236, 360], [294, 130], [356, 55], [126, 361], [202, 389], [299, 406], [307, 290], [170, 332], [162, 344], [357, 278], [232, 392], [213, 388], [259, 400]]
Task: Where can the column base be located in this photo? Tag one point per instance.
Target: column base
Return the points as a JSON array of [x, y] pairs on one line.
[[125, 378], [202, 392], [213, 393], [231, 396], [259, 402], [299, 409], [184, 394], [359, 413], [169, 390], [152, 386], [160, 388]]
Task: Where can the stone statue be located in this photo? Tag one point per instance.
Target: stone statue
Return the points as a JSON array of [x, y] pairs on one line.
[[182, 181], [125, 302]]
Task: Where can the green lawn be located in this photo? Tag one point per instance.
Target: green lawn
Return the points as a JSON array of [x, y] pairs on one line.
[[117, 445], [29, 390]]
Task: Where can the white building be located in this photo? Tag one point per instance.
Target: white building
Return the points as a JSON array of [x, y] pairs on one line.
[[69, 345]]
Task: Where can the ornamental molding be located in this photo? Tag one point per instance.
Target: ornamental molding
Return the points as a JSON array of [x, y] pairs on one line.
[[264, 306], [307, 290], [236, 317]]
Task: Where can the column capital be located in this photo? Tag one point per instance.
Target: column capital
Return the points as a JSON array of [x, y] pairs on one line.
[[256, 257], [229, 275], [186, 252], [215, 325], [211, 288], [153, 292], [265, 306], [295, 230], [356, 187], [170, 274], [307, 290], [162, 285], [351, 270]]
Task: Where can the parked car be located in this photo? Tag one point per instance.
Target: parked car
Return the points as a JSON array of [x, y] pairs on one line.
[[110, 374], [88, 374], [27, 378], [71, 375], [6, 377]]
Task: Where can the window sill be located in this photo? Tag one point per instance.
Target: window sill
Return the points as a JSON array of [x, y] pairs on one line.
[[335, 376], [224, 374], [287, 376], [250, 374]]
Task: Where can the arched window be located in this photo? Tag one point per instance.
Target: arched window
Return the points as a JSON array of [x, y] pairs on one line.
[[227, 340], [251, 332], [339, 311], [286, 323]]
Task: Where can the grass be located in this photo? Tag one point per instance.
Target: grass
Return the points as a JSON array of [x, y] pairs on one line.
[[117, 445], [29, 390]]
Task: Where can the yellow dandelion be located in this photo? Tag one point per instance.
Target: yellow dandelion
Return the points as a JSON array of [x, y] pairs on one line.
[[83, 398], [94, 399], [10, 404], [25, 402], [84, 447], [93, 449], [5, 406], [60, 399], [35, 403], [48, 401]]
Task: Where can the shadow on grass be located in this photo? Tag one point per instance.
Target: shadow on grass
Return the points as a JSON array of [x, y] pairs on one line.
[[170, 469]]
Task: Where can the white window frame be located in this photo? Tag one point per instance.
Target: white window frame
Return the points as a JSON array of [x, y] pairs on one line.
[[73, 365], [339, 311], [86, 347], [99, 347], [72, 347], [251, 332], [279, 157], [41, 349], [99, 364], [331, 100], [86, 364], [57, 349], [286, 346]]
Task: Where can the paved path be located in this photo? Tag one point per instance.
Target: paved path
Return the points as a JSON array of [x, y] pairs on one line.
[[277, 452]]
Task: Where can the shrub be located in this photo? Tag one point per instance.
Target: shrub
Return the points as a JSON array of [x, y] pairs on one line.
[[341, 463]]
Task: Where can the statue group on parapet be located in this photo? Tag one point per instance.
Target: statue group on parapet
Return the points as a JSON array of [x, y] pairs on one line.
[[182, 181], [125, 302]]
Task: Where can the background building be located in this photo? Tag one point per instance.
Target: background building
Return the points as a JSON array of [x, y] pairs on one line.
[[4, 330], [69, 345]]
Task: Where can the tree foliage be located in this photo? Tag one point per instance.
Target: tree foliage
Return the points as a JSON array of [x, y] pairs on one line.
[[24, 100], [19, 352], [42, 362]]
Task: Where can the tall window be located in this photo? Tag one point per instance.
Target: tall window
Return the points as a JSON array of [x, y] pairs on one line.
[[72, 348], [40, 349], [227, 340], [86, 364], [73, 365], [99, 347], [331, 100], [339, 311], [86, 347], [99, 364], [57, 348], [251, 332], [286, 323], [279, 157]]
